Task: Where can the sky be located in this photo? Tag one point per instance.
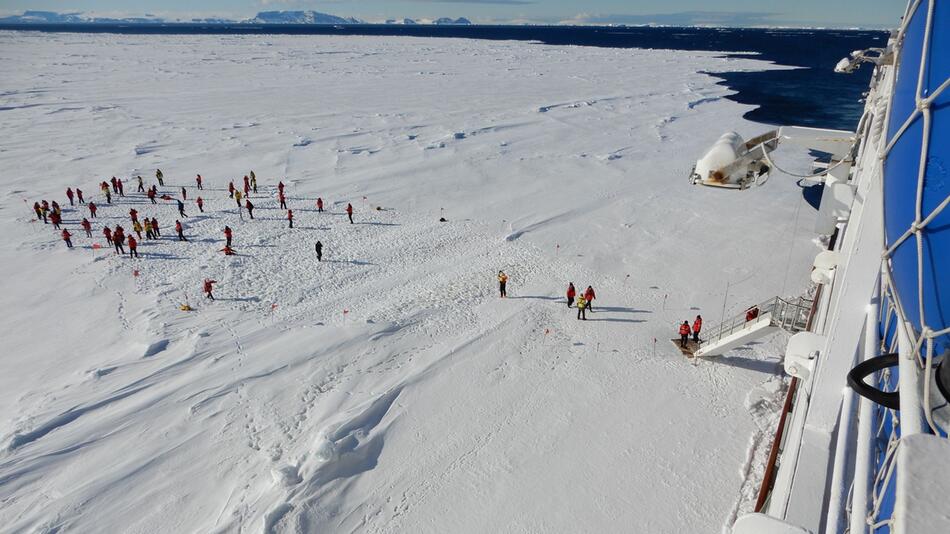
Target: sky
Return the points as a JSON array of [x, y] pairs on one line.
[[836, 13]]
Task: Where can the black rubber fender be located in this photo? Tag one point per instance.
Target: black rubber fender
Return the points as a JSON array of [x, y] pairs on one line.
[[888, 399]]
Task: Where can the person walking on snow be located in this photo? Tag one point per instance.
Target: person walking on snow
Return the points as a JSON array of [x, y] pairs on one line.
[[45, 206], [149, 234], [137, 228], [79, 196], [69, 195], [502, 282], [247, 184], [141, 188], [250, 207], [160, 177], [290, 218], [571, 293], [151, 195], [227, 235], [39, 211], [247, 190], [115, 186], [184, 193], [181, 208], [86, 226], [319, 248], [66, 238], [581, 307], [198, 181], [280, 187], [134, 215], [231, 189], [684, 334], [180, 230], [697, 326], [589, 296], [106, 231], [133, 252], [253, 182], [237, 199], [319, 205], [121, 187], [349, 211], [92, 209], [282, 199], [56, 209], [208, 287], [201, 204], [118, 239], [55, 219], [155, 227]]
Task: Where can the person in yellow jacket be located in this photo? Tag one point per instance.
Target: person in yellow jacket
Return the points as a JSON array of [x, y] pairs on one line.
[[137, 228], [237, 198], [502, 282], [581, 307]]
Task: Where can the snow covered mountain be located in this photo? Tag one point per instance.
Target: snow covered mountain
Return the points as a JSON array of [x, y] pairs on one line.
[[52, 17], [300, 17], [447, 20]]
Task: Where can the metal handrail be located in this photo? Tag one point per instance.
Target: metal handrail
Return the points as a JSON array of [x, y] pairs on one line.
[[788, 314]]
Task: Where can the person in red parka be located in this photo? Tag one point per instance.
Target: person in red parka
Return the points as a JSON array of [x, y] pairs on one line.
[[133, 253], [198, 181], [151, 195], [697, 326], [155, 227], [180, 230], [208, 288], [38, 211], [684, 334], [86, 226], [115, 185], [79, 196], [247, 185], [231, 189], [69, 195], [55, 218], [227, 235], [280, 187], [66, 236], [319, 205], [121, 187], [283, 200], [590, 296], [118, 238], [290, 218], [201, 204], [349, 211], [92, 209], [250, 208], [134, 215], [571, 293], [106, 231]]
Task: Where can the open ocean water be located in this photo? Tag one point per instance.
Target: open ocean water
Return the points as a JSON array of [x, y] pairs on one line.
[[810, 95]]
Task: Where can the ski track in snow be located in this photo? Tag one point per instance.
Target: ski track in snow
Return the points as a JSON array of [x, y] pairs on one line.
[[386, 388]]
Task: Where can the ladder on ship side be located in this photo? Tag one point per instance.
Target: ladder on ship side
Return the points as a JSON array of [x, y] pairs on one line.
[[776, 313]]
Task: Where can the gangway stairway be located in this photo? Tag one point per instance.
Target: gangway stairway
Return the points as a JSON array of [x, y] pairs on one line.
[[776, 313]]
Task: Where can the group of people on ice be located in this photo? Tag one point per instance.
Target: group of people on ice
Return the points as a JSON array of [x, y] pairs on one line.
[[50, 212], [585, 301]]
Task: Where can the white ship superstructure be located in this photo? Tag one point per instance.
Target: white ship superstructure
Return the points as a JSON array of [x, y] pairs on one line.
[[862, 443]]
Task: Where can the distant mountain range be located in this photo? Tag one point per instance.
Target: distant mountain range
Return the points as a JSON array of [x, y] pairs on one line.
[[264, 17]]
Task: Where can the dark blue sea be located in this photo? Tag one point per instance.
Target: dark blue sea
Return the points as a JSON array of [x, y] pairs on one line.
[[810, 95]]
